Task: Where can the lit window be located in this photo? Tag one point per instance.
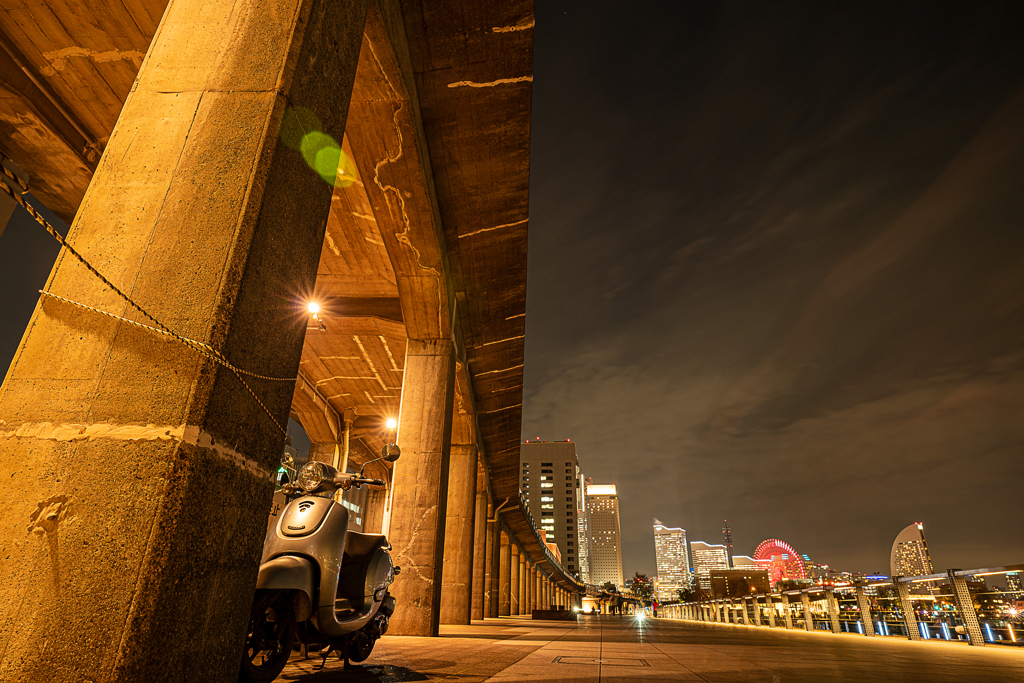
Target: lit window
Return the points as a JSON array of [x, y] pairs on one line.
[[546, 485], [547, 506]]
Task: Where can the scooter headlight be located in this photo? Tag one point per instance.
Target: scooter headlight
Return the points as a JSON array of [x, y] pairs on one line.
[[311, 476]]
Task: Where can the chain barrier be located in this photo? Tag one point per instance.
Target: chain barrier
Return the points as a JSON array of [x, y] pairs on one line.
[[158, 327]]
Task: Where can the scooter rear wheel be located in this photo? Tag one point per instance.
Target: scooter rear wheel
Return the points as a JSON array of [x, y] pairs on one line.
[[268, 643]]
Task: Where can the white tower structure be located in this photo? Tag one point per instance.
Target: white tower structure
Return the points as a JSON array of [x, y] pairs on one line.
[[605, 534]]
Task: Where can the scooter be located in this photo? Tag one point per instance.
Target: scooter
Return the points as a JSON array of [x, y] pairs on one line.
[[318, 581]]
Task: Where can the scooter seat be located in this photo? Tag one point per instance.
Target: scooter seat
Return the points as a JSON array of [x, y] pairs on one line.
[[361, 546]]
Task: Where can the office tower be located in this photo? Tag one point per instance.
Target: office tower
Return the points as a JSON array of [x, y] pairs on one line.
[[583, 529], [549, 471], [707, 557], [743, 562], [910, 553], [1013, 583], [605, 534], [673, 563]]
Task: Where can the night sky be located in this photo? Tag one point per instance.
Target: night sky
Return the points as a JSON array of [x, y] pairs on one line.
[[776, 271]]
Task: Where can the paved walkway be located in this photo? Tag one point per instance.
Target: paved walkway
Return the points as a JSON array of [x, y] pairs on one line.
[[619, 649]]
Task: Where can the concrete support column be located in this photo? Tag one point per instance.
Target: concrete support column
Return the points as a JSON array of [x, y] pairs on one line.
[[907, 607], [491, 565], [210, 222], [833, 611], [523, 568], [504, 577], [479, 548], [757, 611], [770, 611], [457, 586], [513, 581], [787, 611], [419, 501], [865, 612], [965, 606], [534, 599], [805, 598], [746, 615]]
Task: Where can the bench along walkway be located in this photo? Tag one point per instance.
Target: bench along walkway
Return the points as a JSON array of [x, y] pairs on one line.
[[609, 648]]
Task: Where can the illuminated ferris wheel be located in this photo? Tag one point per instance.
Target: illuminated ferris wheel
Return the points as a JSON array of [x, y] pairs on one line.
[[780, 560]]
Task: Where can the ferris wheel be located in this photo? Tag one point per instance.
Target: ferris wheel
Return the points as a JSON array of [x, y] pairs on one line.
[[780, 561]]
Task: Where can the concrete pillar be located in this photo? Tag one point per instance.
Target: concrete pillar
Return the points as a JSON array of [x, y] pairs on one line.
[[757, 611], [865, 612], [493, 563], [805, 598], [479, 548], [523, 567], [534, 600], [965, 606], [787, 613], [833, 610], [746, 615], [418, 508], [513, 581], [769, 610], [504, 576], [202, 214], [457, 586], [907, 607]]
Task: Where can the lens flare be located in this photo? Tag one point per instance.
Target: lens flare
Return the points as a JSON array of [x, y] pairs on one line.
[[313, 307], [391, 423]]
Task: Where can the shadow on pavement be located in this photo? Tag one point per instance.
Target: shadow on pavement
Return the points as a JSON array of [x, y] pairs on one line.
[[375, 673]]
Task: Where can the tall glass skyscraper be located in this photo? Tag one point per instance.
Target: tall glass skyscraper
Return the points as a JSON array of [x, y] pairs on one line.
[[909, 555], [605, 534], [673, 561]]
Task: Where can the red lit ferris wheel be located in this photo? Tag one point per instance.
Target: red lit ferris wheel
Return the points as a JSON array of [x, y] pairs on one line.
[[780, 561]]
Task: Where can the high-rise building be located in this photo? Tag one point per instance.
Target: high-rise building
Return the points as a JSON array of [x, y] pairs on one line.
[[910, 553], [583, 529], [707, 557], [605, 534], [548, 479], [1013, 583], [673, 562], [743, 562]]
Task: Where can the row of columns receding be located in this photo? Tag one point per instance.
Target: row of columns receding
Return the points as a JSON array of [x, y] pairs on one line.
[[739, 610]]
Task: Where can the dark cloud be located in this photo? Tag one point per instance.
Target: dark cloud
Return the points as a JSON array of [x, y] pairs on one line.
[[777, 270]]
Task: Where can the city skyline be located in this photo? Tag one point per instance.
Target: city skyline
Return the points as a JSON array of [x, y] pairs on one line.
[[818, 281]]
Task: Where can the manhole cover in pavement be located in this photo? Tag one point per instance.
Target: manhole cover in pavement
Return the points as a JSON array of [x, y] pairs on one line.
[[607, 661]]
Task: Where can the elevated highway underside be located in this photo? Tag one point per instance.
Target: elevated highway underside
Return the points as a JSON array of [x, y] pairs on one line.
[[225, 163]]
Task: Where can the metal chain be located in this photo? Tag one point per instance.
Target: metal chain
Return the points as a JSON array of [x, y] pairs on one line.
[[202, 348]]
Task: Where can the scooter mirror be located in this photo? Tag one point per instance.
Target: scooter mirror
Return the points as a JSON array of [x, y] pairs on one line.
[[390, 452]]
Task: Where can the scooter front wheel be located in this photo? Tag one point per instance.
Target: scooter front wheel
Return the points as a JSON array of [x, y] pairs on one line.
[[268, 643]]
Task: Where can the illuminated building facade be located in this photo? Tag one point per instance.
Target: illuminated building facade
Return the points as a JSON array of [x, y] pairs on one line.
[[909, 555], [605, 534], [548, 479], [708, 558], [743, 562], [672, 559]]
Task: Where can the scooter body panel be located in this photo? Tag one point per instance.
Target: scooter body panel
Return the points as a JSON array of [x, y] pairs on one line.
[[322, 540], [291, 572]]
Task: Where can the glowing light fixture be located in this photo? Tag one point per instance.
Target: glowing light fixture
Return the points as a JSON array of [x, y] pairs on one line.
[[314, 307], [391, 423]]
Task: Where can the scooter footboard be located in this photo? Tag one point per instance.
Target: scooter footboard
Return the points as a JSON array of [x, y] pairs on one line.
[[290, 572]]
